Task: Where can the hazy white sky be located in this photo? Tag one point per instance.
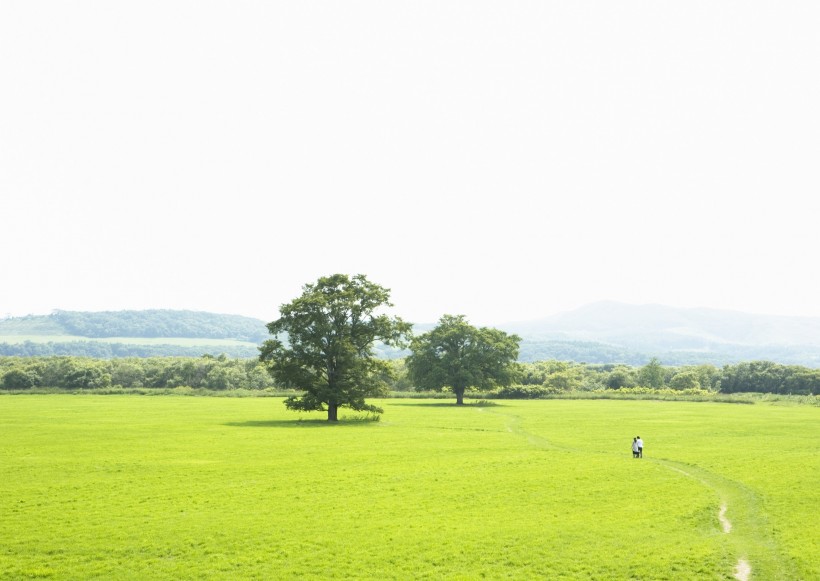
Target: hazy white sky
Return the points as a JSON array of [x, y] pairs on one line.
[[505, 160]]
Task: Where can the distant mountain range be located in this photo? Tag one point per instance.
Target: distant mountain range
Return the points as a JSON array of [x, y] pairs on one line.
[[604, 332]]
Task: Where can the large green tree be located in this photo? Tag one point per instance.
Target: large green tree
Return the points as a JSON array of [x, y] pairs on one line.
[[322, 344], [457, 355], [652, 374]]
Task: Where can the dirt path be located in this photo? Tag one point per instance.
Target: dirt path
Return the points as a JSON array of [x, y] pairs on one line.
[[724, 522], [743, 570], [754, 536]]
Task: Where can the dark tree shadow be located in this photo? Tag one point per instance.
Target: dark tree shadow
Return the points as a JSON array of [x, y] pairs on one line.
[[299, 423], [446, 404]]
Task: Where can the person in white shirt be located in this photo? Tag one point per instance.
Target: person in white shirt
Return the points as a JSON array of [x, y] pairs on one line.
[[640, 446], [634, 447]]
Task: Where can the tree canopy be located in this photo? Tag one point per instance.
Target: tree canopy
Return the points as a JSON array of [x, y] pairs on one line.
[[652, 374], [322, 344], [457, 355]]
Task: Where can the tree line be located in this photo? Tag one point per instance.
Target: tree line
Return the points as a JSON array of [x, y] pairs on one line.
[[550, 377], [529, 380], [322, 347], [206, 372]]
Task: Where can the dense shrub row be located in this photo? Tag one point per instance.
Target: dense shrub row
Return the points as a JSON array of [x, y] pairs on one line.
[[216, 373], [534, 380], [549, 377]]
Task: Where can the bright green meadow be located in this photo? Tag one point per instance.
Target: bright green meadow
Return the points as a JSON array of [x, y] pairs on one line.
[[141, 487]]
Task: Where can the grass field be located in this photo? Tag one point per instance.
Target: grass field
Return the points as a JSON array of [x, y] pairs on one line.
[[130, 487]]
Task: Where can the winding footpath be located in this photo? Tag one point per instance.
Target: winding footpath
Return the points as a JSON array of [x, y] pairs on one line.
[[724, 522], [752, 538], [742, 570]]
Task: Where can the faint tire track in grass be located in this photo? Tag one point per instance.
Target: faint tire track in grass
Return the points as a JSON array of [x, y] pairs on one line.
[[751, 539], [514, 427]]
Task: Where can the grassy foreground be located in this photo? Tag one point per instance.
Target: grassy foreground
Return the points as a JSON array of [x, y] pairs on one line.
[[130, 487]]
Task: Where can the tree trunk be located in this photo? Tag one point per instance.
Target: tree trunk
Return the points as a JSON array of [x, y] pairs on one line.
[[332, 412], [459, 397]]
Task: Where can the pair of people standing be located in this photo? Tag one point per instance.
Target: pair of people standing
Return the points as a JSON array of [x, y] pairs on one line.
[[637, 447]]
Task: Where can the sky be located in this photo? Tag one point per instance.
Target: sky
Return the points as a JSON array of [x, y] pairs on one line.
[[505, 160]]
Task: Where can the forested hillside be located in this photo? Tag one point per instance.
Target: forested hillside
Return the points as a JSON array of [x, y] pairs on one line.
[[160, 323], [108, 350], [147, 333]]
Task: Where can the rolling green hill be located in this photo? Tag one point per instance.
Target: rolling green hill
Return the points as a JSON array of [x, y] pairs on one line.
[[147, 333]]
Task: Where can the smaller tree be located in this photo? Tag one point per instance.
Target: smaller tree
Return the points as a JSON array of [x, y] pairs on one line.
[[86, 374], [19, 378], [568, 378], [620, 377], [686, 378], [708, 376], [457, 355], [652, 374]]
